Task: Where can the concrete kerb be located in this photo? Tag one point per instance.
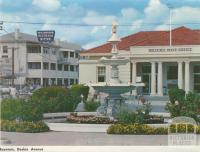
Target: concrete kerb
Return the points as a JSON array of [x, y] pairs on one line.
[[101, 128], [54, 122]]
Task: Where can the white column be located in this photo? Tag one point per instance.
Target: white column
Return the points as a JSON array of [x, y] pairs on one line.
[[134, 72], [160, 79], [187, 76], [180, 75], [153, 78]]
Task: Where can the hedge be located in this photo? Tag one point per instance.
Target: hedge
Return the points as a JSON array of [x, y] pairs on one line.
[[80, 89], [91, 105], [12, 109], [58, 99], [142, 129], [23, 126], [183, 105]]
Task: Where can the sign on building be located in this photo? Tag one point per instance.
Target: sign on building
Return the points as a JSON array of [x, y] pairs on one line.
[[46, 36]]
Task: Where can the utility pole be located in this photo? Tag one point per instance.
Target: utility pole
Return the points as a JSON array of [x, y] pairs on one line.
[[13, 68], [170, 24]]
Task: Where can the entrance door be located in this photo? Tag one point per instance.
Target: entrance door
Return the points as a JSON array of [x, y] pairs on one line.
[[146, 79], [172, 76]]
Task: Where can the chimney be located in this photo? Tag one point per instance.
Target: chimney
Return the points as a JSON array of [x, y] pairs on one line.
[[17, 33]]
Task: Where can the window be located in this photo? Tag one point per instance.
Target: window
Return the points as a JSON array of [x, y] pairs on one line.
[[4, 56], [53, 66], [5, 49], [146, 68], [33, 49], [45, 82], [46, 65], [46, 50], [53, 81], [172, 72], [76, 81], [54, 52], [60, 67], [71, 54], [65, 54], [66, 82], [59, 81], [101, 74], [71, 67], [66, 68], [71, 81], [76, 55], [34, 65], [33, 81], [197, 69]]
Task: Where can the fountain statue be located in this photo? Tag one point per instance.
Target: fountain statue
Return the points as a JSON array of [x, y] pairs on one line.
[[114, 88]]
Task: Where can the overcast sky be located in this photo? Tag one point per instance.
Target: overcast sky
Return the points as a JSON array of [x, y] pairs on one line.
[[141, 14]]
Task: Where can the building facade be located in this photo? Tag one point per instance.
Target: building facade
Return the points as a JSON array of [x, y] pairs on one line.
[[36, 63], [152, 61]]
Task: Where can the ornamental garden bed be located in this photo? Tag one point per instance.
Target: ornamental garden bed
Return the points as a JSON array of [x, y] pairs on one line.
[[23, 126], [143, 129], [91, 119]]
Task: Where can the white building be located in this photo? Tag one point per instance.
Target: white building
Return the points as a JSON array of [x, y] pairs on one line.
[[152, 61], [35, 63]]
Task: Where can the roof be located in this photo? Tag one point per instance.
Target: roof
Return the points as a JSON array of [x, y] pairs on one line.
[[10, 37], [180, 36], [67, 45], [24, 37]]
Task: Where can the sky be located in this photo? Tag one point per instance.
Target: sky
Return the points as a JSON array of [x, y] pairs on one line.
[[75, 15]]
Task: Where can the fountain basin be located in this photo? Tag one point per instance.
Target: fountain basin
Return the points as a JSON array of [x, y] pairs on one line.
[[114, 91]]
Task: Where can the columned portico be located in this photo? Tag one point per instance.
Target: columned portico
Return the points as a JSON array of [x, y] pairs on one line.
[[153, 78], [187, 76], [180, 74], [160, 79]]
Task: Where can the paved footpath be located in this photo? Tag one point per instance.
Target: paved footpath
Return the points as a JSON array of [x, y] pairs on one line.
[[78, 138]]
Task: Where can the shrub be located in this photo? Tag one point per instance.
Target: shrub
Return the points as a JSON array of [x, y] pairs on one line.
[[78, 89], [141, 116], [176, 94], [28, 127], [56, 99], [91, 105], [188, 106], [12, 109], [137, 129], [125, 117], [142, 129]]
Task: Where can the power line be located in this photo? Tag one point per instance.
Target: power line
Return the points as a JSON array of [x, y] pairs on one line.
[[91, 25]]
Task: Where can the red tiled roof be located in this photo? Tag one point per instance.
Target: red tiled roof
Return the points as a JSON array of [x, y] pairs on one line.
[[180, 36]]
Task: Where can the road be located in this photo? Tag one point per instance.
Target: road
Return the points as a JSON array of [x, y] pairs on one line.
[[78, 138], [83, 139]]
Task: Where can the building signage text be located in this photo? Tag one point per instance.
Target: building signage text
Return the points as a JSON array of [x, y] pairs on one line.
[[45, 36], [171, 50]]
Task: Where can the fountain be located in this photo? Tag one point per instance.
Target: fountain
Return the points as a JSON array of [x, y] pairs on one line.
[[114, 88]]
